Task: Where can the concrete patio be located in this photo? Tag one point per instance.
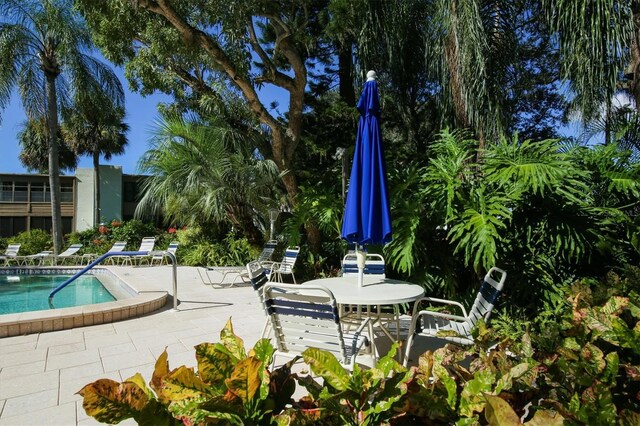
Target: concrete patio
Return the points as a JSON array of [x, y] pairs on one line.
[[40, 373]]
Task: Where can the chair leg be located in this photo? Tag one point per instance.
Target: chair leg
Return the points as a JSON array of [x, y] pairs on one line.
[[265, 329]]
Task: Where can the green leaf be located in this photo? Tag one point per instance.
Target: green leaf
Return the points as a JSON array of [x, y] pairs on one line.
[[498, 412], [111, 402], [326, 365], [246, 379], [546, 418], [215, 364], [471, 398], [182, 383], [263, 350], [233, 343]]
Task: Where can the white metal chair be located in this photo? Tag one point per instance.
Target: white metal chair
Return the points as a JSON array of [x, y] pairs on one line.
[[161, 259], [68, 254], [374, 264], [117, 247], [11, 253], [456, 328], [258, 276], [311, 320], [267, 251], [33, 259], [239, 272], [285, 267], [146, 245]]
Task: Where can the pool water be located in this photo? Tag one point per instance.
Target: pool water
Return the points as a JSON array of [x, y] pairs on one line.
[[31, 292]]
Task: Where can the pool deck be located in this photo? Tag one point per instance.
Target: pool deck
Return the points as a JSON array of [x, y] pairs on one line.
[[40, 373]]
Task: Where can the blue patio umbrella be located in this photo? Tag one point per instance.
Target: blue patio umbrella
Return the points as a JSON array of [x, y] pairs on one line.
[[367, 217]]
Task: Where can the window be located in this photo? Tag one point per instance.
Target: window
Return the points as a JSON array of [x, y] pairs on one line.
[[37, 192], [66, 193], [130, 192], [41, 222], [46, 224], [6, 192], [20, 191], [10, 226]]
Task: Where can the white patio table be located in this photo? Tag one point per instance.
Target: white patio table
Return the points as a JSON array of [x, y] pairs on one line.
[[376, 291]]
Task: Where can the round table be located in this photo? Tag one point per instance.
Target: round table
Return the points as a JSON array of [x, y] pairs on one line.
[[375, 290]]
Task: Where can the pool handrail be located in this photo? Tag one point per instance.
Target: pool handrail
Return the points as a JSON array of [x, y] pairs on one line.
[[171, 256]]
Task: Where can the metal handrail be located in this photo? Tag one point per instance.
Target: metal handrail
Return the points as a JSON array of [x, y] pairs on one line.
[[174, 263]]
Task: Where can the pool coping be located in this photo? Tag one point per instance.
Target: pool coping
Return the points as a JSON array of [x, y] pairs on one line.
[[65, 318]]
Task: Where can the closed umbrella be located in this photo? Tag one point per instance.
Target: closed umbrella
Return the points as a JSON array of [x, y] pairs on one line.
[[367, 217]]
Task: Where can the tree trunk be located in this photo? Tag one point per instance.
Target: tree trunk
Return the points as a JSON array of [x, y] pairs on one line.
[[633, 69], [345, 71], [54, 170], [96, 183]]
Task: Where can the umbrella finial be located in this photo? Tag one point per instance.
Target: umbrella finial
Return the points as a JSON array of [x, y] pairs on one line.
[[371, 75]]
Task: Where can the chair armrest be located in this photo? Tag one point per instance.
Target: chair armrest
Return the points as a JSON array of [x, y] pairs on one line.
[[442, 315], [441, 301]]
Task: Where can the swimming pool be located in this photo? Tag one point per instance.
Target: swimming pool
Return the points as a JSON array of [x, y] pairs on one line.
[[31, 292], [126, 302]]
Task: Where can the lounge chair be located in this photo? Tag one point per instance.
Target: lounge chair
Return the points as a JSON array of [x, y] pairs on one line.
[[146, 245], [68, 254], [456, 328], [239, 273], [33, 259], [10, 253], [162, 259], [117, 247]]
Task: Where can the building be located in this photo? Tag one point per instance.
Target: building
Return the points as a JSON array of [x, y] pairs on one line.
[[25, 199]]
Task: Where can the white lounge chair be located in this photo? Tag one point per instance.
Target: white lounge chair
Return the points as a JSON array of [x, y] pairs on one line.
[[68, 254], [10, 253], [161, 259], [117, 247]]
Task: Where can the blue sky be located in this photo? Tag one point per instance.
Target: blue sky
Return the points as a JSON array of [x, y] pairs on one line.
[[141, 115], [141, 112]]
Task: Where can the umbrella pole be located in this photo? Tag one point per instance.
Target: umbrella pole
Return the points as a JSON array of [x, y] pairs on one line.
[[360, 259]]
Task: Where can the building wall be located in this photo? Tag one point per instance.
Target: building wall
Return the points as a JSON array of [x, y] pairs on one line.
[[84, 199], [110, 196], [25, 203]]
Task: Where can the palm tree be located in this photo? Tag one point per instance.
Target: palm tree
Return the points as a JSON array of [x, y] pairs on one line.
[[44, 48], [96, 128], [34, 152], [207, 172]]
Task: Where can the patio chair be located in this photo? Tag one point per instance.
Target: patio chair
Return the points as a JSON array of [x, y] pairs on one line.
[[311, 320], [239, 271], [146, 245], [258, 276], [33, 259], [267, 251], [161, 259], [374, 264], [10, 253], [117, 247], [285, 267], [68, 254], [456, 328]]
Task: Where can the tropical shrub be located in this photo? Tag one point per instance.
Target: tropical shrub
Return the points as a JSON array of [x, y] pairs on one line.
[[545, 211], [575, 364], [33, 241], [230, 386]]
